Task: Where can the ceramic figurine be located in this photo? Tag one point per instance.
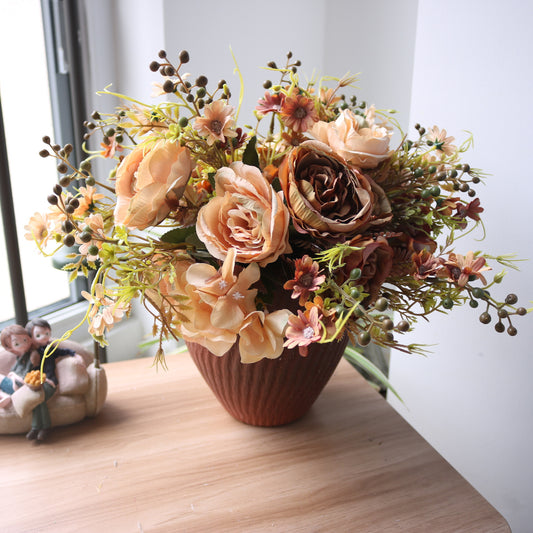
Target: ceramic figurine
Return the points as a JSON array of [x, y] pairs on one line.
[[29, 347], [35, 402]]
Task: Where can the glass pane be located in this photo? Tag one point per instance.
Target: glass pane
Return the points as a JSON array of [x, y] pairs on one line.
[[27, 117]]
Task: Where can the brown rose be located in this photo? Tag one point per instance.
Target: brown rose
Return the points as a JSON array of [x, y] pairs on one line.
[[326, 198], [246, 214], [375, 261], [150, 181]]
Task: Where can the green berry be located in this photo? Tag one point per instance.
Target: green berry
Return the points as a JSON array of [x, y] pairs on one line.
[[364, 338], [359, 312], [381, 304], [355, 274], [355, 293], [478, 293], [447, 303]]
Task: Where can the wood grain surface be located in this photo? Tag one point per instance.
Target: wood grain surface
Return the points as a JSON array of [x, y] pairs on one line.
[[163, 456]]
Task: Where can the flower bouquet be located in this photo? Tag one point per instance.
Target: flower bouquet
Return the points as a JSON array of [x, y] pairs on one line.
[[311, 227]]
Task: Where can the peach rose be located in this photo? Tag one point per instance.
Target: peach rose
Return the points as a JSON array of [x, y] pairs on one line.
[[359, 140], [246, 214], [149, 183]]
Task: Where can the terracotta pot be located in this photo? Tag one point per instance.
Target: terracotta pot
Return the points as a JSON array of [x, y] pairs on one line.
[[271, 392]]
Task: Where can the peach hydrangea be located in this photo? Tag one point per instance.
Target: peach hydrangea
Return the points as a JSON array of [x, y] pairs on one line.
[[221, 309]]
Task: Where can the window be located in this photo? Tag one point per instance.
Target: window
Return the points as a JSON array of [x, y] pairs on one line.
[[35, 101]]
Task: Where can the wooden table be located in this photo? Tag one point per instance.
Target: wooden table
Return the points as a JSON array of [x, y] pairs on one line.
[[164, 456]]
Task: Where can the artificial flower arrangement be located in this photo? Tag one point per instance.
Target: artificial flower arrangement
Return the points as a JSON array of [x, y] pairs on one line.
[[204, 221]]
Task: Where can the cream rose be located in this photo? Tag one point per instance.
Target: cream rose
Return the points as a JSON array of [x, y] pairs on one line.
[[359, 140], [246, 214], [150, 182]]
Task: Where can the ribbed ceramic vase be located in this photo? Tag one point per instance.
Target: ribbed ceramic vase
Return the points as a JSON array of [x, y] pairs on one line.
[[270, 392]]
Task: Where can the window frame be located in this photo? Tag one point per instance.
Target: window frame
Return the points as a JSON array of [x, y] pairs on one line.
[[66, 52]]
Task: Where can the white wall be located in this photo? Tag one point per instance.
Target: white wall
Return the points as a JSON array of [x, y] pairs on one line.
[[377, 40], [471, 398], [121, 46], [256, 33]]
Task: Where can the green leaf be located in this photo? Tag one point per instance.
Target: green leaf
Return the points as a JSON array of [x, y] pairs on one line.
[[211, 179], [178, 235], [250, 157], [361, 361], [429, 304]]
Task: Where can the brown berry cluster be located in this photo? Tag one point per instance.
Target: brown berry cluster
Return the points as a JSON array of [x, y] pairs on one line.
[[196, 94]]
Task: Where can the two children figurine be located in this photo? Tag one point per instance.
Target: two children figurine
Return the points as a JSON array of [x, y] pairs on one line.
[[29, 345]]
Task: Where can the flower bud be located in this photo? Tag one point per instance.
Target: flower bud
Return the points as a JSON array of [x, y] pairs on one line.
[[499, 277]]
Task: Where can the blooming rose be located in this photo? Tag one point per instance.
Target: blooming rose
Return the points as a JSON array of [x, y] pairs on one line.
[[375, 261], [326, 198], [360, 141], [150, 181], [246, 214]]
